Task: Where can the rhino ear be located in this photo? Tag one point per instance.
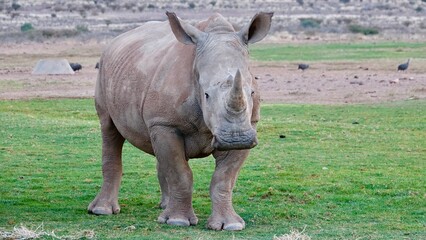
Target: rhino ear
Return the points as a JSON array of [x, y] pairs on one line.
[[184, 33], [258, 28]]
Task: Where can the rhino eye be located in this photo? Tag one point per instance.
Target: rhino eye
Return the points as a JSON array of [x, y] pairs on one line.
[[207, 95], [252, 92]]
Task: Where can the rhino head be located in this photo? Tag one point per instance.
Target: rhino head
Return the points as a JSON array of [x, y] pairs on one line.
[[225, 90]]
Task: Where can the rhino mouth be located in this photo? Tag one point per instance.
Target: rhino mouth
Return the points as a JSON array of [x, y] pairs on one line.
[[232, 140]]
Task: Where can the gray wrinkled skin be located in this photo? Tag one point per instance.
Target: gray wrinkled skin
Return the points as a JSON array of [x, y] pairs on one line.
[[179, 91]]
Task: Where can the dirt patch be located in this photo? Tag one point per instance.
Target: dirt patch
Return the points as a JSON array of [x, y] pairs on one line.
[[324, 83]]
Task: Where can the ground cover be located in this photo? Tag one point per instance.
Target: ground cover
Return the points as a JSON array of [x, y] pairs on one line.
[[336, 172]]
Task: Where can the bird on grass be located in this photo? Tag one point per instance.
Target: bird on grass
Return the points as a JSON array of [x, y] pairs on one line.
[[404, 66], [303, 66]]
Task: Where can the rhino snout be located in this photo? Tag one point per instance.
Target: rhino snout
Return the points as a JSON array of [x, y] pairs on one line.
[[233, 140]]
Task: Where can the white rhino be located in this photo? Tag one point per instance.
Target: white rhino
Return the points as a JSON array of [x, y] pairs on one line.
[[179, 91]]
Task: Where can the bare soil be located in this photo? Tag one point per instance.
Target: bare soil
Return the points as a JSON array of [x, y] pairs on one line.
[[279, 82]]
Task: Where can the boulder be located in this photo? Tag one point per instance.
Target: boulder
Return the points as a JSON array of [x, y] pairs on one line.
[[52, 67]]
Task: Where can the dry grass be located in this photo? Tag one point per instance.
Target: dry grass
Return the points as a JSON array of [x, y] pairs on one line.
[[293, 235], [23, 232]]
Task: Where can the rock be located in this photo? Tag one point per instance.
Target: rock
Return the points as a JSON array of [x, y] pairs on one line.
[[395, 81]]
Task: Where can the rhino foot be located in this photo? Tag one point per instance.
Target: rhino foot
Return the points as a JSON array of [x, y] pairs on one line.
[[178, 219], [163, 204], [231, 223], [99, 207]]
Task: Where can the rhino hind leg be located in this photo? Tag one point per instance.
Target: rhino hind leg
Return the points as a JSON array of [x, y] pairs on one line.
[[175, 177], [228, 165], [106, 202]]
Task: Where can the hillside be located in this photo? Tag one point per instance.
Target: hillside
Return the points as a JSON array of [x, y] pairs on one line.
[[293, 19]]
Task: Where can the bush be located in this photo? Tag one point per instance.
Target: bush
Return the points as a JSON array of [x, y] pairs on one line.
[[53, 33], [310, 23], [26, 27], [82, 28], [364, 30], [16, 6]]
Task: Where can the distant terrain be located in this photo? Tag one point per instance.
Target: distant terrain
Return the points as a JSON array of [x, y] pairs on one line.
[[303, 30], [293, 19]]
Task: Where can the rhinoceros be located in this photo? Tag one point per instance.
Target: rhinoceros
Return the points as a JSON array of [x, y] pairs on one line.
[[180, 91]]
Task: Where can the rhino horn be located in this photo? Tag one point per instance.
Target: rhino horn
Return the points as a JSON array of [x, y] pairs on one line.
[[236, 99]]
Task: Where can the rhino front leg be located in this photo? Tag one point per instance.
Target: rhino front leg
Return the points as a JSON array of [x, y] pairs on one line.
[[228, 165], [175, 177], [164, 187], [106, 202]]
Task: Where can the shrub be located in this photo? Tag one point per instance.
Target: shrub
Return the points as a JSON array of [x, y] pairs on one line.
[[26, 27], [310, 23], [83, 13], [82, 28], [53, 33], [364, 30], [16, 6]]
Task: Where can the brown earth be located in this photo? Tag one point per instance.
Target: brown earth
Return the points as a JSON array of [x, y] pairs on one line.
[[280, 82]]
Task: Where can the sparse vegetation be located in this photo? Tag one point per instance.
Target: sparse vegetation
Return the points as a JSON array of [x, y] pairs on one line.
[[310, 22], [82, 28], [56, 33], [16, 6], [354, 28], [26, 27]]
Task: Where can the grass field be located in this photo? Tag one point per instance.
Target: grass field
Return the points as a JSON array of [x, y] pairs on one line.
[[338, 51], [339, 172]]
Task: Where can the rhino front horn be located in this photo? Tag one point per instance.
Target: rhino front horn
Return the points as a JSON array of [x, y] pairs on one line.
[[235, 101]]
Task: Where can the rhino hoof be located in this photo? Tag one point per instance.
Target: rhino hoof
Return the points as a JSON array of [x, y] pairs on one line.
[[174, 221], [103, 211], [178, 222], [234, 227]]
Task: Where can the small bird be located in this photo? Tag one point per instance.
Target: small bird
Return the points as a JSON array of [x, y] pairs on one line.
[[76, 66], [303, 66], [404, 66]]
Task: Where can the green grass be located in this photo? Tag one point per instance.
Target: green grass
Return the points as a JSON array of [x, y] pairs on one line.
[[338, 51], [341, 172]]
